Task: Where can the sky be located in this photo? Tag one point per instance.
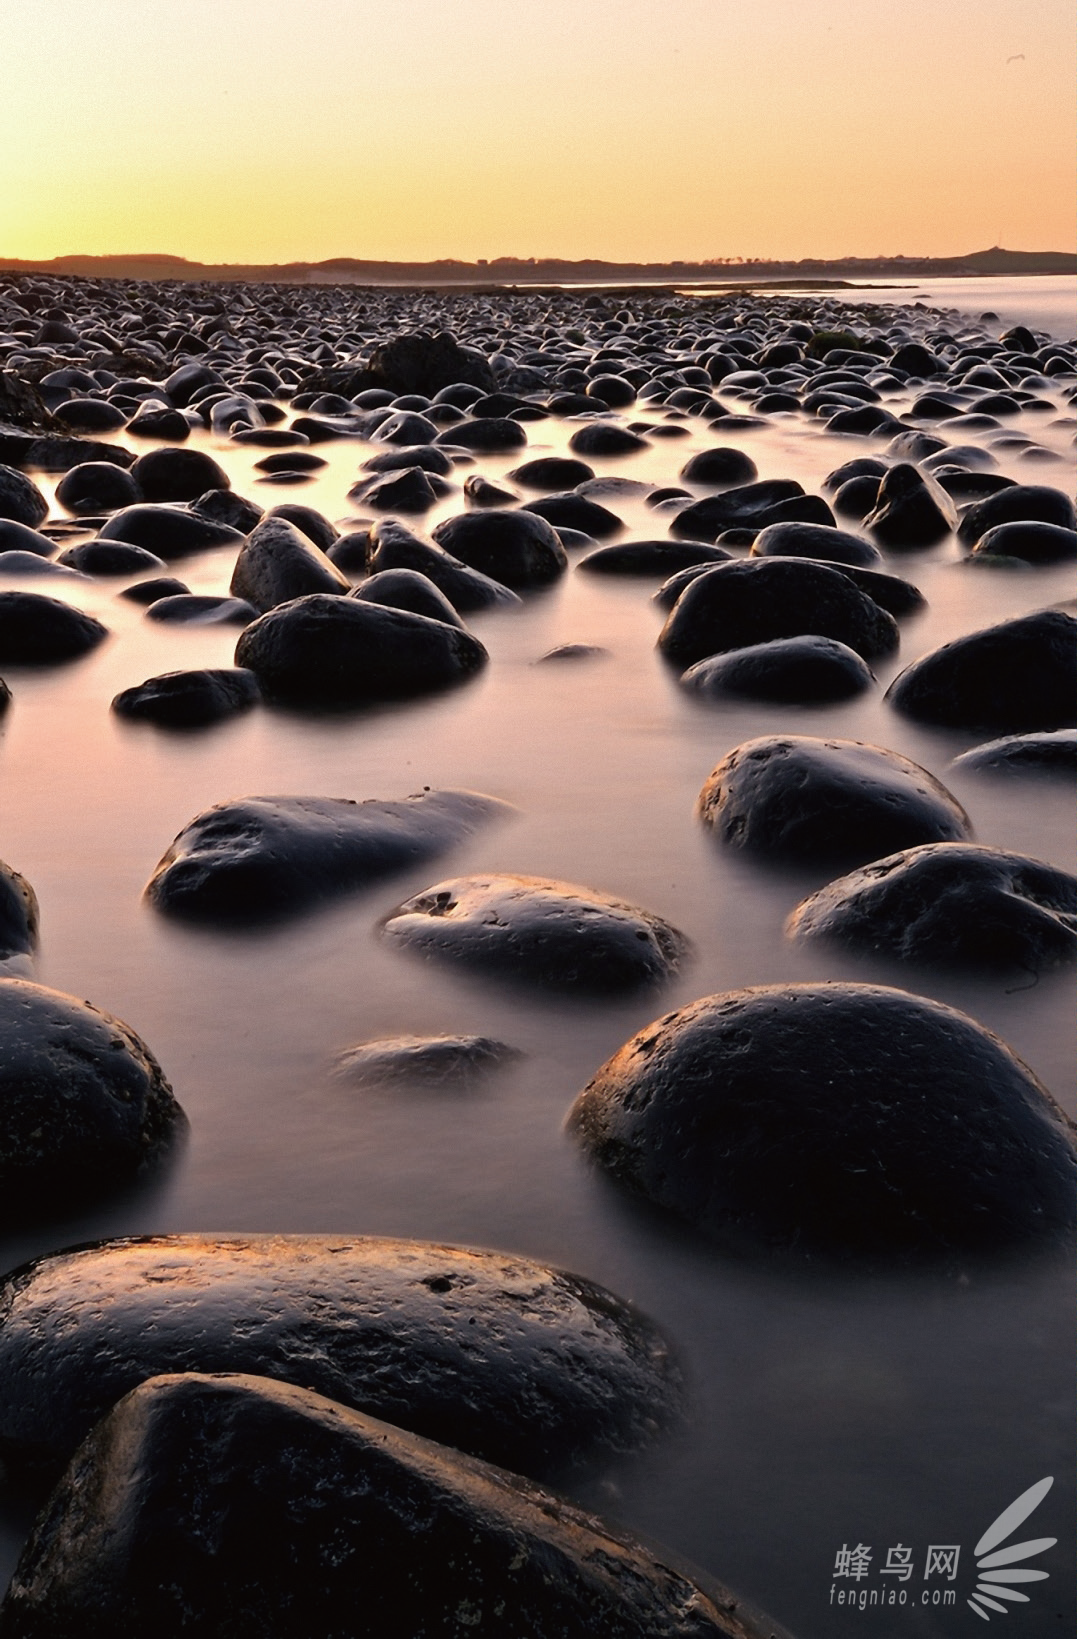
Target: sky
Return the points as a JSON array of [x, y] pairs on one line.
[[633, 130]]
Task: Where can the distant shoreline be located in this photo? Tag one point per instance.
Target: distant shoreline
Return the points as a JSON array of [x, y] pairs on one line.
[[553, 274]]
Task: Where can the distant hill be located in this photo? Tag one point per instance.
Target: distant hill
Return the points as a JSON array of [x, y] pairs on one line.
[[550, 270]]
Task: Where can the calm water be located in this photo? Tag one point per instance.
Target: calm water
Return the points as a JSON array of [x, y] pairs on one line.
[[828, 1410]]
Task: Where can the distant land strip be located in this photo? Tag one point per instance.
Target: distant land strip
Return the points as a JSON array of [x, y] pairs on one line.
[[511, 270]]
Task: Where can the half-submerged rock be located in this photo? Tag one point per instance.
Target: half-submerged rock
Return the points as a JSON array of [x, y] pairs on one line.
[[496, 1355], [259, 858], [209, 1499], [422, 1061], [1019, 675], [839, 1119]]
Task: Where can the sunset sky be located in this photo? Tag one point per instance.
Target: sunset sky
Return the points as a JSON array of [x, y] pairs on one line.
[[265, 131]]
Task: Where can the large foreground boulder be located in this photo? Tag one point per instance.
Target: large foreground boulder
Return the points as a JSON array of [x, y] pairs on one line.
[[330, 650], [547, 933], [843, 1119], [949, 902], [231, 1505], [1020, 675], [812, 801], [84, 1105], [499, 1356], [258, 858]]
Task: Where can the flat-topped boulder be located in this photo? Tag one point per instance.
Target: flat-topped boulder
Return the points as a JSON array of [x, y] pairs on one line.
[[189, 699], [499, 1356], [843, 1120], [258, 858], [540, 931]]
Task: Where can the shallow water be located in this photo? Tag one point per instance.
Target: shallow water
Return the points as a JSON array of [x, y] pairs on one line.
[[828, 1408]]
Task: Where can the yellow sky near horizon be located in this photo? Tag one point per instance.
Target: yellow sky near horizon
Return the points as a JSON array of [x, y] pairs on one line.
[[634, 130]]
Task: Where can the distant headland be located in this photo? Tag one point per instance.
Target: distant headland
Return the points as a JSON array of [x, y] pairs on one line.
[[511, 270]]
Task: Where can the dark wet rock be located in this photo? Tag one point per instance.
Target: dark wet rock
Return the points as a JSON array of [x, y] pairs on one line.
[[19, 916], [409, 491], [914, 446], [605, 438], [1031, 542], [330, 650], [742, 603], [97, 486], [572, 652], [178, 475], [152, 591], [90, 415], [489, 435], [1053, 752], [546, 933], [109, 558], [579, 512], [857, 497], [276, 563], [408, 589], [292, 460], [21, 403], [258, 858], [963, 486], [720, 466], [865, 421], [392, 546], [1020, 503], [613, 391], [914, 359], [404, 427], [224, 506], [20, 499], [85, 1105], [496, 1355], [845, 1120], [798, 670], [31, 564], [156, 419], [862, 466], [309, 521], [949, 902], [452, 1062], [776, 500], [519, 549], [189, 699], [422, 363], [1012, 678], [51, 453], [41, 631], [480, 491], [157, 1528], [651, 557], [172, 532], [911, 510], [812, 801], [21, 538], [552, 473], [795, 540], [201, 609]]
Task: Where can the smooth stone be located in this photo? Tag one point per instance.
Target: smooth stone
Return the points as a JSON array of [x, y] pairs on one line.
[[1020, 503], [651, 557], [796, 540], [862, 466], [189, 699], [857, 497], [393, 546], [551, 473], [404, 427], [259, 858], [20, 499], [352, 1526], [159, 420], [201, 609], [21, 538], [41, 631], [826, 802], [489, 435], [911, 510], [309, 522], [168, 530], [605, 438], [427, 456], [90, 415], [1030, 541], [578, 512], [152, 591], [417, 362], [496, 1355], [22, 564], [178, 474], [1052, 752], [86, 1108], [408, 491], [720, 466], [224, 506], [519, 549], [410, 590], [109, 558], [97, 486], [19, 914], [572, 652], [949, 902], [293, 460], [480, 491], [452, 1062], [741, 603], [336, 651], [775, 500], [539, 931], [1016, 677], [843, 1120], [277, 563], [795, 670]]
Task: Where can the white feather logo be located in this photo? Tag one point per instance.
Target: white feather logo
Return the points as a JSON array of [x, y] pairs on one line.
[[996, 1577]]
